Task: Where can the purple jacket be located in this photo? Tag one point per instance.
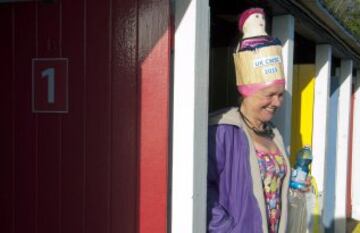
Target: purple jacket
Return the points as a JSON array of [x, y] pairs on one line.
[[235, 199]]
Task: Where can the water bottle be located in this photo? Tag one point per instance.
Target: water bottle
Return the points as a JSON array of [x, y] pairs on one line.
[[301, 169]]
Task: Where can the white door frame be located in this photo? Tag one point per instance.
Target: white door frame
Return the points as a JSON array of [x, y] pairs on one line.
[[190, 116]]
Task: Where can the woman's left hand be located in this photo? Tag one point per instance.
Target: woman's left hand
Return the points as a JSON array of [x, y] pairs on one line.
[[307, 187]]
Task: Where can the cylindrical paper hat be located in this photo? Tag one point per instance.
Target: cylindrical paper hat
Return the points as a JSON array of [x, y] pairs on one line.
[[258, 68]]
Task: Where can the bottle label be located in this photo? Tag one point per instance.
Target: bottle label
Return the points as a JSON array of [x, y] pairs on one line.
[[299, 176]]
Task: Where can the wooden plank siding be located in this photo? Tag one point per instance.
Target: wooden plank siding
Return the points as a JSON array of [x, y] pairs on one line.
[[153, 113], [103, 166], [7, 123]]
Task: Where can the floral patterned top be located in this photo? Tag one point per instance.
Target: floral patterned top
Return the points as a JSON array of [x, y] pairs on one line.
[[272, 170]]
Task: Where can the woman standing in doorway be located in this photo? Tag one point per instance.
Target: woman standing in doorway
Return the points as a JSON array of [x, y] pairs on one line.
[[248, 170]]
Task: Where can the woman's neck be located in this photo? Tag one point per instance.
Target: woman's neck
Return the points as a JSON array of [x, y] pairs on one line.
[[252, 120]]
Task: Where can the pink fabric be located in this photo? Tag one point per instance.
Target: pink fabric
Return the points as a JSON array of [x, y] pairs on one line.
[[272, 170], [246, 14], [255, 41], [246, 90]]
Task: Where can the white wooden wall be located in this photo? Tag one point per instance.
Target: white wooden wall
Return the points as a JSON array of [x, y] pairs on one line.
[[320, 116], [283, 27], [321, 101], [355, 187], [190, 114], [342, 144]]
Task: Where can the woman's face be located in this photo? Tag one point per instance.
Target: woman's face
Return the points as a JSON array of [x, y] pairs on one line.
[[262, 105]]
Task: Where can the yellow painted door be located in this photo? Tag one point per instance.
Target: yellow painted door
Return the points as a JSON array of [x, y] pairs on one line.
[[302, 107]]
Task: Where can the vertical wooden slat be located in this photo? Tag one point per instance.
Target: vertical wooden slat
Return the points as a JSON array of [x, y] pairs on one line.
[[323, 65], [25, 122], [189, 116], [283, 27], [6, 121], [153, 74], [342, 143], [84, 115], [349, 172], [355, 188], [124, 158], [73, 122], [98, 116], [49, 152], [329, 176]]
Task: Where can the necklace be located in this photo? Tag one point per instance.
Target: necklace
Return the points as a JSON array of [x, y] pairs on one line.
[[266, 131]]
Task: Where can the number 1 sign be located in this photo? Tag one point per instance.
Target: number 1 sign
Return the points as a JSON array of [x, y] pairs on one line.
[[50, 85]]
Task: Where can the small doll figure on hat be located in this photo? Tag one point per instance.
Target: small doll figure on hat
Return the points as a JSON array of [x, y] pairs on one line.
[[252, 26], [258, 57]]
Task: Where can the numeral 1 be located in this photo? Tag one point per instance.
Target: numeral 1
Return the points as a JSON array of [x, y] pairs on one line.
[[50, 75]]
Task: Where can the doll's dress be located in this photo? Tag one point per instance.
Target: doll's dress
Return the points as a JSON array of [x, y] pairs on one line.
[[257, 42]]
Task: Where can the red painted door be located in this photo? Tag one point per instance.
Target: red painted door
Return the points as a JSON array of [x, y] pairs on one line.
[[102, 166]]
